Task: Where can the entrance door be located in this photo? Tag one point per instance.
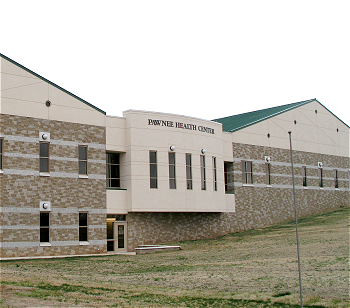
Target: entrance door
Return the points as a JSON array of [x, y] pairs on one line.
[[120, 236], [116, 235]]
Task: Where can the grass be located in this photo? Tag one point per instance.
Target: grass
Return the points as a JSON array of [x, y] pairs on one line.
[[256, 268]]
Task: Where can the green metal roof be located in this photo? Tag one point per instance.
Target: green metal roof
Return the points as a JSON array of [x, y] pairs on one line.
[[51, 83], [239, 121]]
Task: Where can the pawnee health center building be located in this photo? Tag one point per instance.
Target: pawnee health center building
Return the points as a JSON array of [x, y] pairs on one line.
[[75, 181]]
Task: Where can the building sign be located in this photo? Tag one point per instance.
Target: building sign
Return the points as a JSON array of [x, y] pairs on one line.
[[181, 125]]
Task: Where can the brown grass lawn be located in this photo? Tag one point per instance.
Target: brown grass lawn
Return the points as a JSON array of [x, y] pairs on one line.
[[257, 268]]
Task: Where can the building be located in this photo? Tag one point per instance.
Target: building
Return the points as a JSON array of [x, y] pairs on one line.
[[75, 181]]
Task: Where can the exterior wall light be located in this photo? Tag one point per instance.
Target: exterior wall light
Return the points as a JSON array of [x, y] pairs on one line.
[[203, 151], [45, 206], [43, 136], [172, 148]]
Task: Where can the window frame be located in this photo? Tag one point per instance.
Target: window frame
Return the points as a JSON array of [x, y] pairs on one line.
[[154, 164], [320, 178], [43, 158], [109, 170], [215, 176], [304, 175], [189, 176], [268, 173], [83, 161], [172, 170], [229, 177], [1, 153], [203, 173], [83, 237], [247, 175], [44, 228], [336, 179]]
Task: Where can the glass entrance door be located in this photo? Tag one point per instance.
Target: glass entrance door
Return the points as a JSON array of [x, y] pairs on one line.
[[116, 235], [120, 236]]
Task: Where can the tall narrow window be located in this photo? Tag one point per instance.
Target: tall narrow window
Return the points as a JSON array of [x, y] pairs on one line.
[[189, 171], [1, 143], [215, 181], [268, 173], [247, 172], [203, 176], [304, 175], [44, 154], [172, 171], [82, 157], [229, 177], [336, 182], [83, 227], [113, 170], [153, 169], [320, 177], [110, 234], [44, 227]]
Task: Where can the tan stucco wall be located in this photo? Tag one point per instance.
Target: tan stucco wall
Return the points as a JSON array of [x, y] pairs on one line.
[[115, 134], [313, 132], [0, 83], [25, 94], [142, 137]]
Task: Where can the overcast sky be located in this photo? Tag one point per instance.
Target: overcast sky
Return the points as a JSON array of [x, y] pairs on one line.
[[205, 59]]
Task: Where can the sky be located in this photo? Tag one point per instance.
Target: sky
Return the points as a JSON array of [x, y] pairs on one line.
[[204, 59]]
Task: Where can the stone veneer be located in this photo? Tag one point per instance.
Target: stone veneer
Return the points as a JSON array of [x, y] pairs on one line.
[[22, 188], [257, 206]]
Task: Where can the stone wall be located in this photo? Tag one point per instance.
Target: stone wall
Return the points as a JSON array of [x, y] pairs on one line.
[[257, 205], [22, 188]]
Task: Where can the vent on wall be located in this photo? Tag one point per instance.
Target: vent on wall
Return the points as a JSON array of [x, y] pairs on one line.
[[45, 206], [44, 136]]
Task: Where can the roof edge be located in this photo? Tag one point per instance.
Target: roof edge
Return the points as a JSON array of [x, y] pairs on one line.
[[332, 113], [51, 83], [302, 103]]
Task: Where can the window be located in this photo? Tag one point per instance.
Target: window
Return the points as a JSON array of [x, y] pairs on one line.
[[268, 173], [45, 227], [229, 179], [172, 174], [336, 182], [153, 169], [116, 217], [1, 143], [303, 170], [189, 171], [247, 172], [82, 157], [203, 176], [113, 170], [44, 153], [320, 177], [215, 182], [83, 227], [110, 234]]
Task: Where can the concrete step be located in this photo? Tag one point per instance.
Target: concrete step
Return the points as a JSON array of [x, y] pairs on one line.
[[143, 249]]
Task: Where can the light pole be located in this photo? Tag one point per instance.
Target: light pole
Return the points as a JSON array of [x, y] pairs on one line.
[[296, 218]]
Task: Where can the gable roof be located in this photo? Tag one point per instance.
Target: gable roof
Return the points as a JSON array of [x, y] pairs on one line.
[[51, 83], [240, 121]]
